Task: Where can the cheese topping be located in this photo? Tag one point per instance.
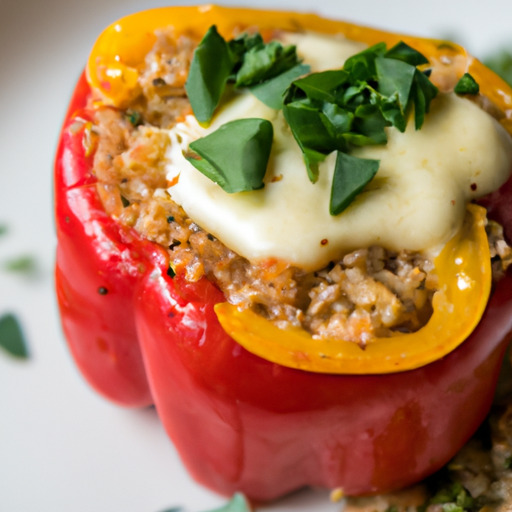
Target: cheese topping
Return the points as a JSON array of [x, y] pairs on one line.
[[416, 201]]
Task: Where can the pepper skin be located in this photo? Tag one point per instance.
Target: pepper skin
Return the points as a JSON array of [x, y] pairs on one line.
[[239, 421]]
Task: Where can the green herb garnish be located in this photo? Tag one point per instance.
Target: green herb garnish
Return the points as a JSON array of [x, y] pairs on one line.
[[25, 265], [209, 71], [11, 336], [235, 156], [3, 229], [351, 175], [335, 110], [352, 107], [271, 92], [467, 85], [452, 498], [245, 61], [134, 117], [238, 503]]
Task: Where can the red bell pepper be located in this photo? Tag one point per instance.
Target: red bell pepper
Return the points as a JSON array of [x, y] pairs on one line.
[[239, 421]]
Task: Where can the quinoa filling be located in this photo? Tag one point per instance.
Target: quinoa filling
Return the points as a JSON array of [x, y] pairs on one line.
[[370, 292]]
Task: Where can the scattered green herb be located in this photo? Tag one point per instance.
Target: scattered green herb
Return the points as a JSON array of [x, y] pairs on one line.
[[452, 498], [501, 64], [467, 85], [11, 336], [125, 202], [3, 229], [508, 462], [245, 61], [271, 92], [351, 175], [238, 503], [22, 264], [351, 107], [209, 71], [134, 117], [235, 156], [336, 110]]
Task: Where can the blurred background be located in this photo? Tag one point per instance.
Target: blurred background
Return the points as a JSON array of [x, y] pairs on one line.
[[62, 447]]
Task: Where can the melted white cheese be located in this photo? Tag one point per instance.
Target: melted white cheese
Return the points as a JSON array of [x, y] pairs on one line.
[[416, 201]]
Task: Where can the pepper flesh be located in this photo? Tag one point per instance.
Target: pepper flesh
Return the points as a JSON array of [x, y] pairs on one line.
[[241, 422]]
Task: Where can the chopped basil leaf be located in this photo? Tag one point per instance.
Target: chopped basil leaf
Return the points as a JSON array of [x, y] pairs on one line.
[[3, 229], [467, 85], [335, 110], [11, 336], [238, 503], [271, 92], [265, 61], [246, 61], [339, 110], [23, 265], [209, 71], [402, 51], [322, 86], [423, 92], [236, 155], [368, 126], [351, 175], [361, 66], [395, 77]]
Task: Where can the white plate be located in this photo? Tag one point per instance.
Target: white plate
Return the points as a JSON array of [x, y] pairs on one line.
[[62, 447]]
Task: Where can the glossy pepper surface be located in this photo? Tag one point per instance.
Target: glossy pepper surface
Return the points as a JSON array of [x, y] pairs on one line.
[[258, 423]]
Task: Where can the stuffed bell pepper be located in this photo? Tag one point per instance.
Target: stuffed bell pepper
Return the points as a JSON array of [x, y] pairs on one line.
[[292, 236]]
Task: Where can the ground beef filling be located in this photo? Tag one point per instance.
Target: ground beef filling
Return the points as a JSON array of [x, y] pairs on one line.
[[368, 293]]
